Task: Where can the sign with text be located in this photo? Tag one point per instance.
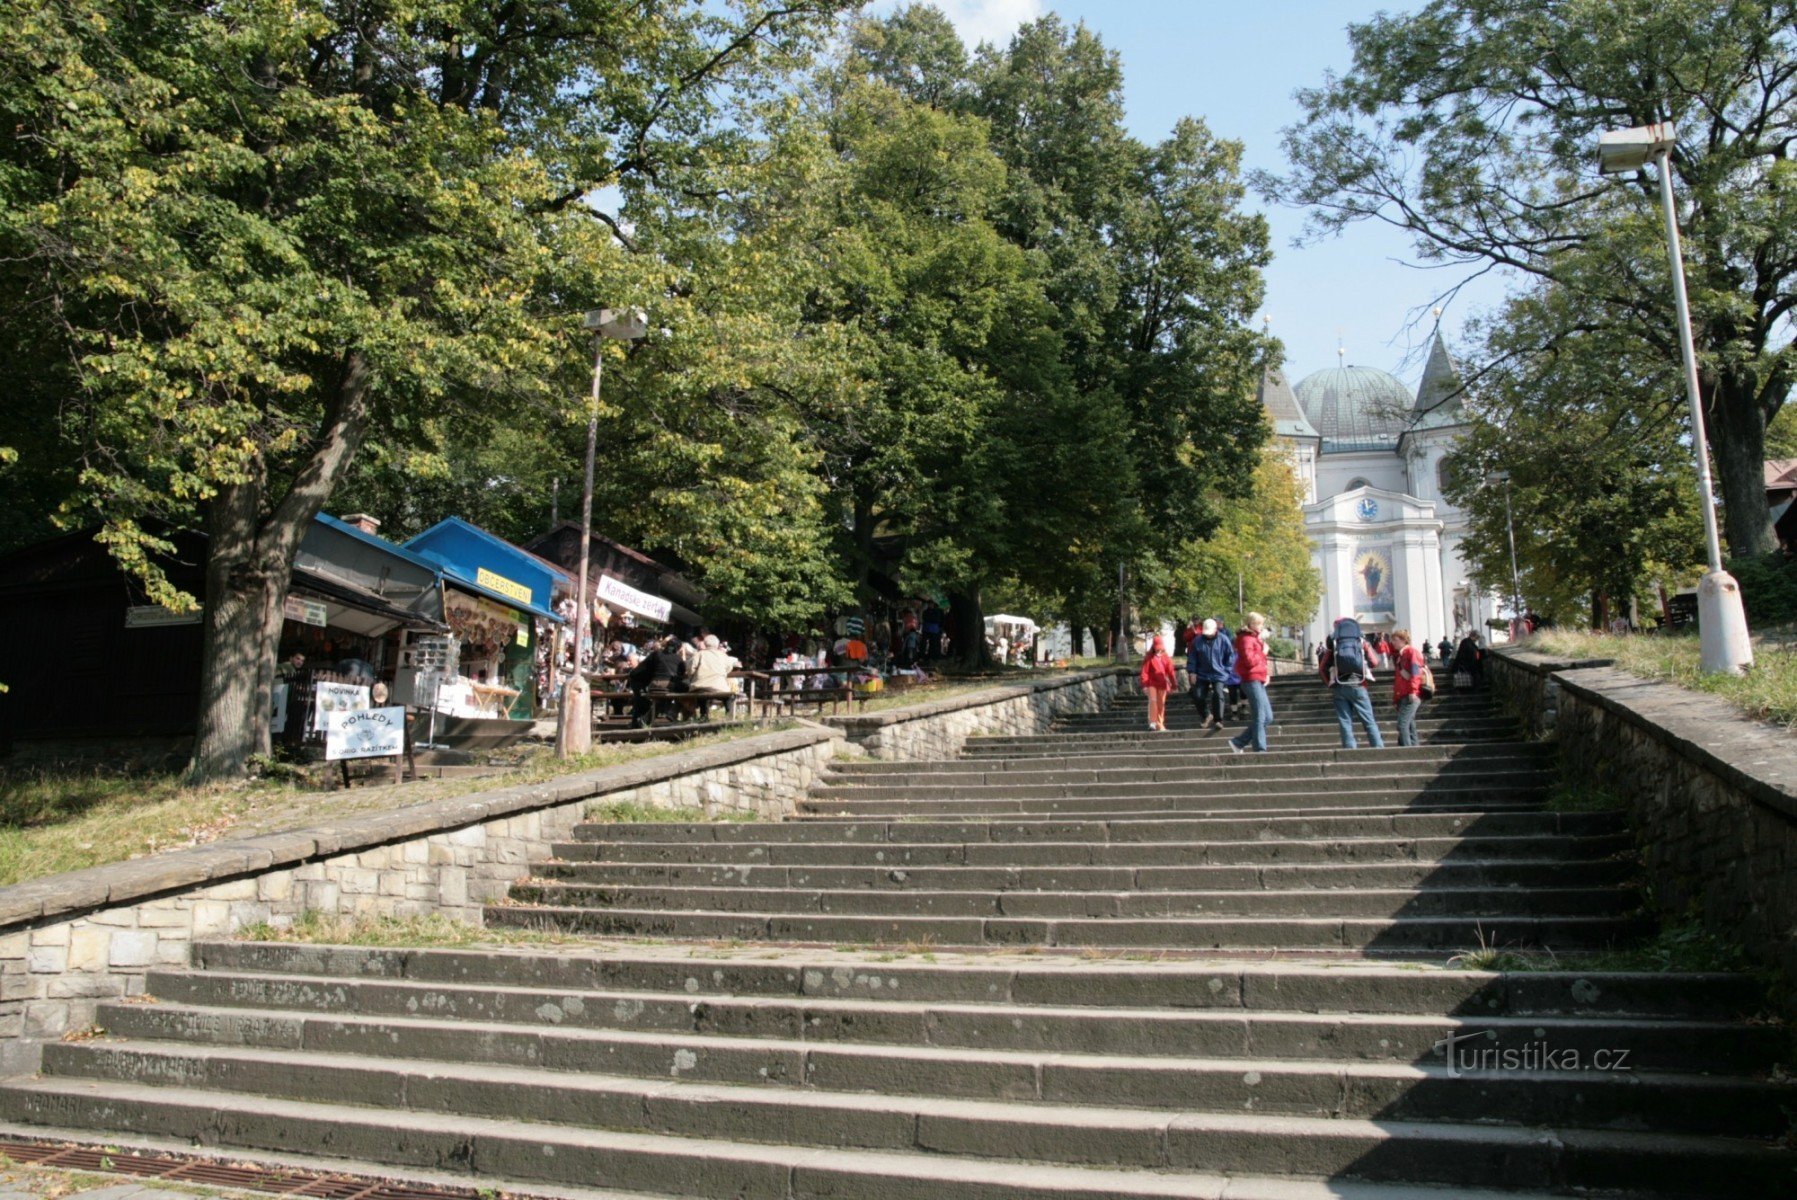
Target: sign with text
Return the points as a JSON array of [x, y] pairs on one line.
[[306, 612], [370, 733], [331, 700], [494, 581], [616, 591], [154, 616]]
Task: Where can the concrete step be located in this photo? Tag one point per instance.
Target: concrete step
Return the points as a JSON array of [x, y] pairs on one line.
[[1260, 1014], [1241, 777], [1259, 826], [957, 1133], [1195, 744], [1493, 873], [1201, 758], [1528, 791], [819, 1094], [1430, 898], [1452, 731], [1214, 983], [1398, 935]]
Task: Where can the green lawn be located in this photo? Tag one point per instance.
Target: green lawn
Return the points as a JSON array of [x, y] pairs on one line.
[[62, 819], [1768, 691]]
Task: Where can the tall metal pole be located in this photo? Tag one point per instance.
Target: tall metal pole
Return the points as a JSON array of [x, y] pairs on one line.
[[1515, 575], [1705, 488], [1727, 647], [574, 729]]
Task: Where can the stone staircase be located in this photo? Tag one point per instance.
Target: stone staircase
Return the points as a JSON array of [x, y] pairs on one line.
[[1262, 1004]]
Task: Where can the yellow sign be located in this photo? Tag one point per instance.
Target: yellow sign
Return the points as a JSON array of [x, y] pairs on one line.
[[523, 635], [502, 585]]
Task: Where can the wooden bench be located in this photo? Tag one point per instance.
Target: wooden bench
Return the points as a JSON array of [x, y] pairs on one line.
[[659, 702], [835, 697]]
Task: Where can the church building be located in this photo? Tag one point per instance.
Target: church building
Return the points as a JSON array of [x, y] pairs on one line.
[[1369, 457]]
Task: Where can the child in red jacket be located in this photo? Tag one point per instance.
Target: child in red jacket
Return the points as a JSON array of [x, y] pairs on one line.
[[1157, 680]]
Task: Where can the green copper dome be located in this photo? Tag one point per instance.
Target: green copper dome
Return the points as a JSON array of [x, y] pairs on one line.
[[1356, 408]]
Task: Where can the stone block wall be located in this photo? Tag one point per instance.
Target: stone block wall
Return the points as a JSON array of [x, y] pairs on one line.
[[1523, 682], [1711, 794], [71, 940], [928, 732]]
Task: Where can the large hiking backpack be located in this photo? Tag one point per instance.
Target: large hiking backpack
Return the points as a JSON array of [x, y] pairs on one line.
[[1350, 652]]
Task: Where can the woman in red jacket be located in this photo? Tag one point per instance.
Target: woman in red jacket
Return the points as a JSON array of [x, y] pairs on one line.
[[1251, 667], [1157, 680]]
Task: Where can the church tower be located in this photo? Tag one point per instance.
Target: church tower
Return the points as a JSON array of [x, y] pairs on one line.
[[1292, 429]]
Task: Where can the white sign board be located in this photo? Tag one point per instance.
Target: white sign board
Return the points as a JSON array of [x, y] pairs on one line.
[[306, 612], [370, 733], [614, 591], [333, 699], [277, 717]]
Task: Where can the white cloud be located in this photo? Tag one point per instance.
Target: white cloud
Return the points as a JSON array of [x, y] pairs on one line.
[[983, 20]]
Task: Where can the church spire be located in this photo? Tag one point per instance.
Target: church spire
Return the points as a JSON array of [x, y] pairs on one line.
[[1281, 405], [1442, 389]]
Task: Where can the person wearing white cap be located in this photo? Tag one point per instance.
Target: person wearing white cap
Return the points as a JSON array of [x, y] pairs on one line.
[[1209, 660]]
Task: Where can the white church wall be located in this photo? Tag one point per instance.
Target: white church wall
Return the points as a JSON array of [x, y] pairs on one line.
[[1381, 468]]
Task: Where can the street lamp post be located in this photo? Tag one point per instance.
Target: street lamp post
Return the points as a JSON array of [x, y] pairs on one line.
[[1503, 477], [1727, 647], [574, 727]]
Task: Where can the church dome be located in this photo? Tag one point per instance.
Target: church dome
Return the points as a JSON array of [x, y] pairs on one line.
[[1356, 408]]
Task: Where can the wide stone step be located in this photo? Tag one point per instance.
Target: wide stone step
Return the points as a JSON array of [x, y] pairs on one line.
[[1311, 731], [1259, 826], [965, 1131], [1203, 757], [1432, 898], [1261, 1014], [1244, 779], [1051, 852], [1360, 987], [788, 1082], [1496, 873], [1403, 935], [1212, 743], [1120, 809]]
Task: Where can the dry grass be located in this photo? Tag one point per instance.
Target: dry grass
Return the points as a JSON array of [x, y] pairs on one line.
[[1768, 691], [54, 820]]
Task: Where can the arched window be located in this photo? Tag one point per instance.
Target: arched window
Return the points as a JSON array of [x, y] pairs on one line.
[[1356, 482], [1445, 475]]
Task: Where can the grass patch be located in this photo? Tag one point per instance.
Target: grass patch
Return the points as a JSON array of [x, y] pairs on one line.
[[629, 812], [1680, 947], [433, 931], [55, 819], [1584, 798], [1767, 691]]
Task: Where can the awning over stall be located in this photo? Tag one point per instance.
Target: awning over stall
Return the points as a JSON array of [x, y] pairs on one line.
[[476, 561]]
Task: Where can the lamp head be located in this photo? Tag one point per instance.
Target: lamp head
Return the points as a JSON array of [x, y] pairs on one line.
[[617, 324], [1629, 149]]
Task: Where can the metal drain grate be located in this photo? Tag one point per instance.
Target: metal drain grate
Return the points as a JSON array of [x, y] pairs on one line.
[[283, 1181]]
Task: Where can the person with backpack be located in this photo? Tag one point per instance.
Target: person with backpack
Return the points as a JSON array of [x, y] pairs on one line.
[[1344, 669], [1157, 680], [1251, 667], [1409, 676], [1208, 663]]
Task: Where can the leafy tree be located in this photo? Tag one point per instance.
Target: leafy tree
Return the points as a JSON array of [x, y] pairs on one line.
[[1153, 270], [1260, 547], [1472, 125], [266, 232], [1603, 493]]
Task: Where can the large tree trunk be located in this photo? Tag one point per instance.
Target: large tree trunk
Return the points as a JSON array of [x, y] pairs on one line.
[[969, 627], [1737, 429], [249, 564]]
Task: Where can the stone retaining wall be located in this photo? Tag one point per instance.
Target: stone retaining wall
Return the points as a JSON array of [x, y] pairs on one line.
[[70, 940], [938, 730], [1712, 794]]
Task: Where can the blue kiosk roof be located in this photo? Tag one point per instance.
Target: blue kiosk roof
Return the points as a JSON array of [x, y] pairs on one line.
[[478, 562]]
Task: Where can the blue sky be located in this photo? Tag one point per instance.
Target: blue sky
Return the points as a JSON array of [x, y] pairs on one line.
[[1236, 65]]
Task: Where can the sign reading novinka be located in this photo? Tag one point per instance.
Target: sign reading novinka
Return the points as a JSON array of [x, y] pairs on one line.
[[641, 603], [371, 733]]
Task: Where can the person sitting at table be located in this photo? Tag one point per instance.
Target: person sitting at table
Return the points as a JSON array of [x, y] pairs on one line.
[[659, 673], [709, 671]]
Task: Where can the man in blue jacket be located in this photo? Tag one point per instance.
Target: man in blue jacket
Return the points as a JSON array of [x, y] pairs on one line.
[[1209, 661]]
